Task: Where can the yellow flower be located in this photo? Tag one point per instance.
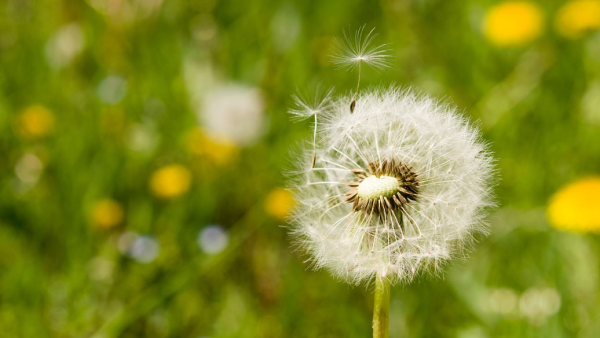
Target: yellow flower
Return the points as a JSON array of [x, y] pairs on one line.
[[170, 181], [576, 207], [219, 150], [106, 213], [577, 17], [279, 203], [513, 23], [35, 122]]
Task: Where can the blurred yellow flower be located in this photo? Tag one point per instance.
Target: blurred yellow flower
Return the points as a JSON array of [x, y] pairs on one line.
[[35, 122], [279, 203], [170, 181], [513, 23], [219, 150], [577, 17], [106, 213], [576, 207]]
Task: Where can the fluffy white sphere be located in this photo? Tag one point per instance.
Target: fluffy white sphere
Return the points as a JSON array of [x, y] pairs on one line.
[[444, 174]]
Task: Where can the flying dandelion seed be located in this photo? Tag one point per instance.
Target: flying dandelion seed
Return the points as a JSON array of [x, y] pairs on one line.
[[352, 52], [310, 105]]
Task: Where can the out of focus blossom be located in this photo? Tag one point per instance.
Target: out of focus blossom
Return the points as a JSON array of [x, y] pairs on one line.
[[112, 89], [142, 248], [218, 150], [35, 122], [513, 23], [576, 207], [170, 181], [577, 17], [66, 44], [212, 239], [142, 138], [29, 168], [279, 203], [106, 213], [234, 112], [126, 12], [503, 301], [537, 304]]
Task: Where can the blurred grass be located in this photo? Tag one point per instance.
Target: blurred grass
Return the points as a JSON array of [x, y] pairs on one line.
[[142, 71]]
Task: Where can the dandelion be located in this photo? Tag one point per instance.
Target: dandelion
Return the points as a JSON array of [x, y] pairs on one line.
[[279, 203], [170, 181], [576, 207], [577, 17], [35, 122], [399, 187], [106, 213], [513, 23], [400, 184]]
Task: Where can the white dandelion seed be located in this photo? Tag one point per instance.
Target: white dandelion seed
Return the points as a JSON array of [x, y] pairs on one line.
[[400, 185], [312, 105], [352, 51]]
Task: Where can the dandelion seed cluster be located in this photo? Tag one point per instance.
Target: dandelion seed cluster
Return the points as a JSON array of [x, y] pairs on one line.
[[400, 185]]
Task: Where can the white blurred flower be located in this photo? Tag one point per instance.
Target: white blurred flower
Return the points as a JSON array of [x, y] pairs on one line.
[[143, 138], [125, 241], [112, 89], [503, 300], [144, 249], [537, 304], [399, 185], [212, 239], [29, 168], [234, 112], [66, 44]]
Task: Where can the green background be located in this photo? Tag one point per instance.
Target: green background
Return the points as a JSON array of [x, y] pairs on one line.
[[530, 101]]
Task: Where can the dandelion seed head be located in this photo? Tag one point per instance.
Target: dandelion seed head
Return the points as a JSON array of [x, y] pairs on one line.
[[399, 187], [352, 51]]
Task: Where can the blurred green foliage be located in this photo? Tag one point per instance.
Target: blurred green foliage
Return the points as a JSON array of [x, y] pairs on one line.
[[124, 80]]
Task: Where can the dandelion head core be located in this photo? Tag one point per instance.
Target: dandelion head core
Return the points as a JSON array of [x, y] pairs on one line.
[[388, 187], [374, 187]]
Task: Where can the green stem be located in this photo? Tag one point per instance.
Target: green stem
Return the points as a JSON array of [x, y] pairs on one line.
[[381, 308]]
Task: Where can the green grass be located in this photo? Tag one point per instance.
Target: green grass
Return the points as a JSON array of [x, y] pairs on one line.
[[528, 101]]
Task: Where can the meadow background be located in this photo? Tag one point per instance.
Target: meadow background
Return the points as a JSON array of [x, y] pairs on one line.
[[143, 142]]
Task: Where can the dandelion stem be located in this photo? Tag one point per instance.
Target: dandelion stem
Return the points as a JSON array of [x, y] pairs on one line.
[[353, 104], [381, 308], [314, 158]]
